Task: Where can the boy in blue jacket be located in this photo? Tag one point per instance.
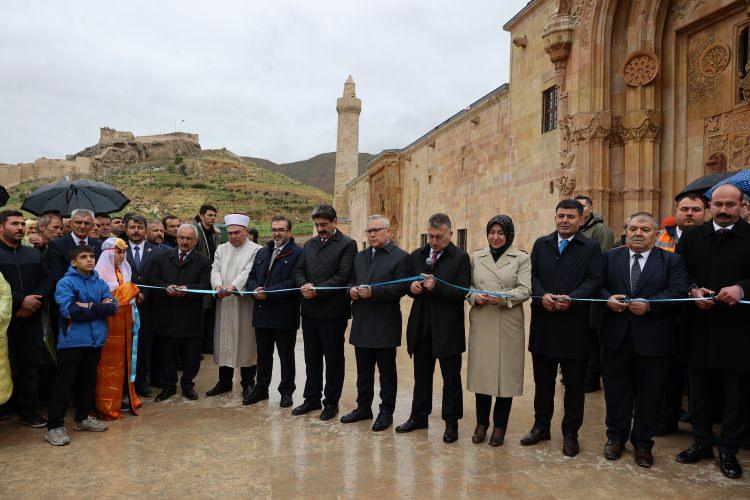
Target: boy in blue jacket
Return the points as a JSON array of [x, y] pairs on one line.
[[85, 302]]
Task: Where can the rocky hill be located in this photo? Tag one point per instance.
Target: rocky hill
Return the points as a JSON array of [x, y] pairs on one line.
[[317, 171], [219, 177]]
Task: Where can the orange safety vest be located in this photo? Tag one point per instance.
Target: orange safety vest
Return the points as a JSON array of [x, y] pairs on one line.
[[666, 242]]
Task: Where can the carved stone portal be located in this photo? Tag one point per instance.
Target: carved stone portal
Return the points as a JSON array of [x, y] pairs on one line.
[[640, 68]]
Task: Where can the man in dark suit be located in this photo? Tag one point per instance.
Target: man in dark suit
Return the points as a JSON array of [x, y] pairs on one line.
[[638, 337], [716, 340], [275, 315], [435, 330], [140, 254], [376, 323], [565, 265], [179, 322], [57, 257], [326, 260]]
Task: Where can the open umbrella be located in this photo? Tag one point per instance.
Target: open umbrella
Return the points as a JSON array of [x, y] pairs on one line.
[[703, 184], [4, 196], [740, 179], [66, 196]]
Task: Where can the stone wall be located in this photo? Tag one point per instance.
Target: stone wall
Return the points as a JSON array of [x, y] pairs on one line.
[[44, 168]]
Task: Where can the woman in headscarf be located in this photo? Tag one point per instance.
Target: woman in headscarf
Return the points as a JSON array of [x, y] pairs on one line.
[[115, 376], [496, 337]]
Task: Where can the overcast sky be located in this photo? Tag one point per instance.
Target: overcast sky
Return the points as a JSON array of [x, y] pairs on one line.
[[260, 78]]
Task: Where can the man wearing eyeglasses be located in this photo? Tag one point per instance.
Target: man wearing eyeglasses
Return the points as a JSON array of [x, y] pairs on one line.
[[326, 260], [436, 325], [376, 323]]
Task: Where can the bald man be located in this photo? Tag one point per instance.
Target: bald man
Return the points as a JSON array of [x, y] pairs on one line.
[[716, 338]]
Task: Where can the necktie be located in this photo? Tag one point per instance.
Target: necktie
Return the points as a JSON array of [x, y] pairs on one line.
[[635, 272], [82, 243], [372, 255], [722, 231], [561, 245], [273, 257], [435, 256], [182, 258], [137, 257]]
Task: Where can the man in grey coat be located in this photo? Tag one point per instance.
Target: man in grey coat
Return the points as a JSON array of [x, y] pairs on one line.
[[376, 324]]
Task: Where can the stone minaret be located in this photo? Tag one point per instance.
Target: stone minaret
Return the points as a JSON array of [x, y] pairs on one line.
[[347, 148]]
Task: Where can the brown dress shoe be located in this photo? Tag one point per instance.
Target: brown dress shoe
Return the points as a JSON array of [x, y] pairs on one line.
[[643, 457], [479, 434], [570, 445], [613, 450], [498, 437]]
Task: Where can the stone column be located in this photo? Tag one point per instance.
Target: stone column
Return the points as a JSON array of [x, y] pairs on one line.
[[640, 135]]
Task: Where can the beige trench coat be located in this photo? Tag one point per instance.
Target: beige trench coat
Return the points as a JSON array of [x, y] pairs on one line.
[[497, 335]]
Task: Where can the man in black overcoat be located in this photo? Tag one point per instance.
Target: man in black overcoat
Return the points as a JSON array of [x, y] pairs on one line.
[[565, 265], [57, 257], [638, 337], [435, 330], [376, 321], [276, 314], [179, 322], [326, 260], [716, 341]]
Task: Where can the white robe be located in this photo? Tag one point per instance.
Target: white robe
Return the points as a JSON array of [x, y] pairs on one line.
[[234, 335]]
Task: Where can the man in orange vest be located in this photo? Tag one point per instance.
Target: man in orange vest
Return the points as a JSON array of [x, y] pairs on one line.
[[690, 212]]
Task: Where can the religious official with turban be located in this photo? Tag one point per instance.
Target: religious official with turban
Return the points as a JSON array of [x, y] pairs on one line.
[[234, 335]]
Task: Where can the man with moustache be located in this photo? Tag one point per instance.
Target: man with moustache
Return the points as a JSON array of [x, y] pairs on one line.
[[565, 265], [30, 284], [58, 251], [155, 235], [637, 336], [326, 260], [716, 339], [435, 331], [376, 324]]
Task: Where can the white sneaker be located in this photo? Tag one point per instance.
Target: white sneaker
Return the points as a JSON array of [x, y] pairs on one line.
[[91, 424], [57, 437]]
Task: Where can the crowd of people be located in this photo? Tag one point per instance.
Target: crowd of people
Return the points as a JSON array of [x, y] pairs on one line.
[[129, 303]]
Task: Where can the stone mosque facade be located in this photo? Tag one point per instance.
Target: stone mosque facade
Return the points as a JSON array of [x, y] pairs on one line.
[[625, 101]]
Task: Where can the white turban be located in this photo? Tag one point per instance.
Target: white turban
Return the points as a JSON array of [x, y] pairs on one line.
[[237, 220]]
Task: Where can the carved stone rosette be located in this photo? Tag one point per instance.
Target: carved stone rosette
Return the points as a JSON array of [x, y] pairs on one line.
[[714, 59], [640, 68]]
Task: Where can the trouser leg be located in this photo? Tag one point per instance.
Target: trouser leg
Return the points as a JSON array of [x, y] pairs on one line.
[[483, 406], [649, 393], [68, 363], [386, 360], [545, 374], [190, 350], [424, 369], [501, 415], [332, 341], [575, 375], [247, 375], [264, 339], [86, 381], [734, 422], [226, 375], [170, 348], [453, 395], [700, 407], [285, 342], [618, 376], [313, 360], [366, 360], [24, 342], [145, 344]]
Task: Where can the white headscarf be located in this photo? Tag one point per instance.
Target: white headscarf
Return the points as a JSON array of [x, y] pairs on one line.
[[106, 265]]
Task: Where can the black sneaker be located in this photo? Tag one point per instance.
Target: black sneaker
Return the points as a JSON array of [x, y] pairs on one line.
[[34, 421]]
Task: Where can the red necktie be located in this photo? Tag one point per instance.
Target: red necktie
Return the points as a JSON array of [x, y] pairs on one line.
[[182, 258]]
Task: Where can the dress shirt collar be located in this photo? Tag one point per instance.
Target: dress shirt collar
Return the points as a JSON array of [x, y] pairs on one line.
[[560, 238], [717, 227], [78, 240], [643, 254], [678, 232]]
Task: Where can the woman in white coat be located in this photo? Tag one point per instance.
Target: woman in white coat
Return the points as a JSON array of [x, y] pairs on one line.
[[497, 334]]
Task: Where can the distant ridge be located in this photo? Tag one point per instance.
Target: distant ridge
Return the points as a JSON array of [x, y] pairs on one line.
[[317, 171]]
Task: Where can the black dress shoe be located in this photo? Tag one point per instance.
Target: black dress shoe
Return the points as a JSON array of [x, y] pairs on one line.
[[254, 397], [729, 465], [219, 388], [498, 437], [570, 445], [356, 415], [166, 393], [480, 433], [411, 425], [643, 457], [695, 454], [286, 401], [307, 407], [534, 436], [383, 422], [613, 450], [190, 394], [451, 433], [144, 392], [329, 411]]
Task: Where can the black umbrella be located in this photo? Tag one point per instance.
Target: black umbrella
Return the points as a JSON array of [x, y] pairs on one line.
[[4, 196], [703, 184], [66, 196]]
